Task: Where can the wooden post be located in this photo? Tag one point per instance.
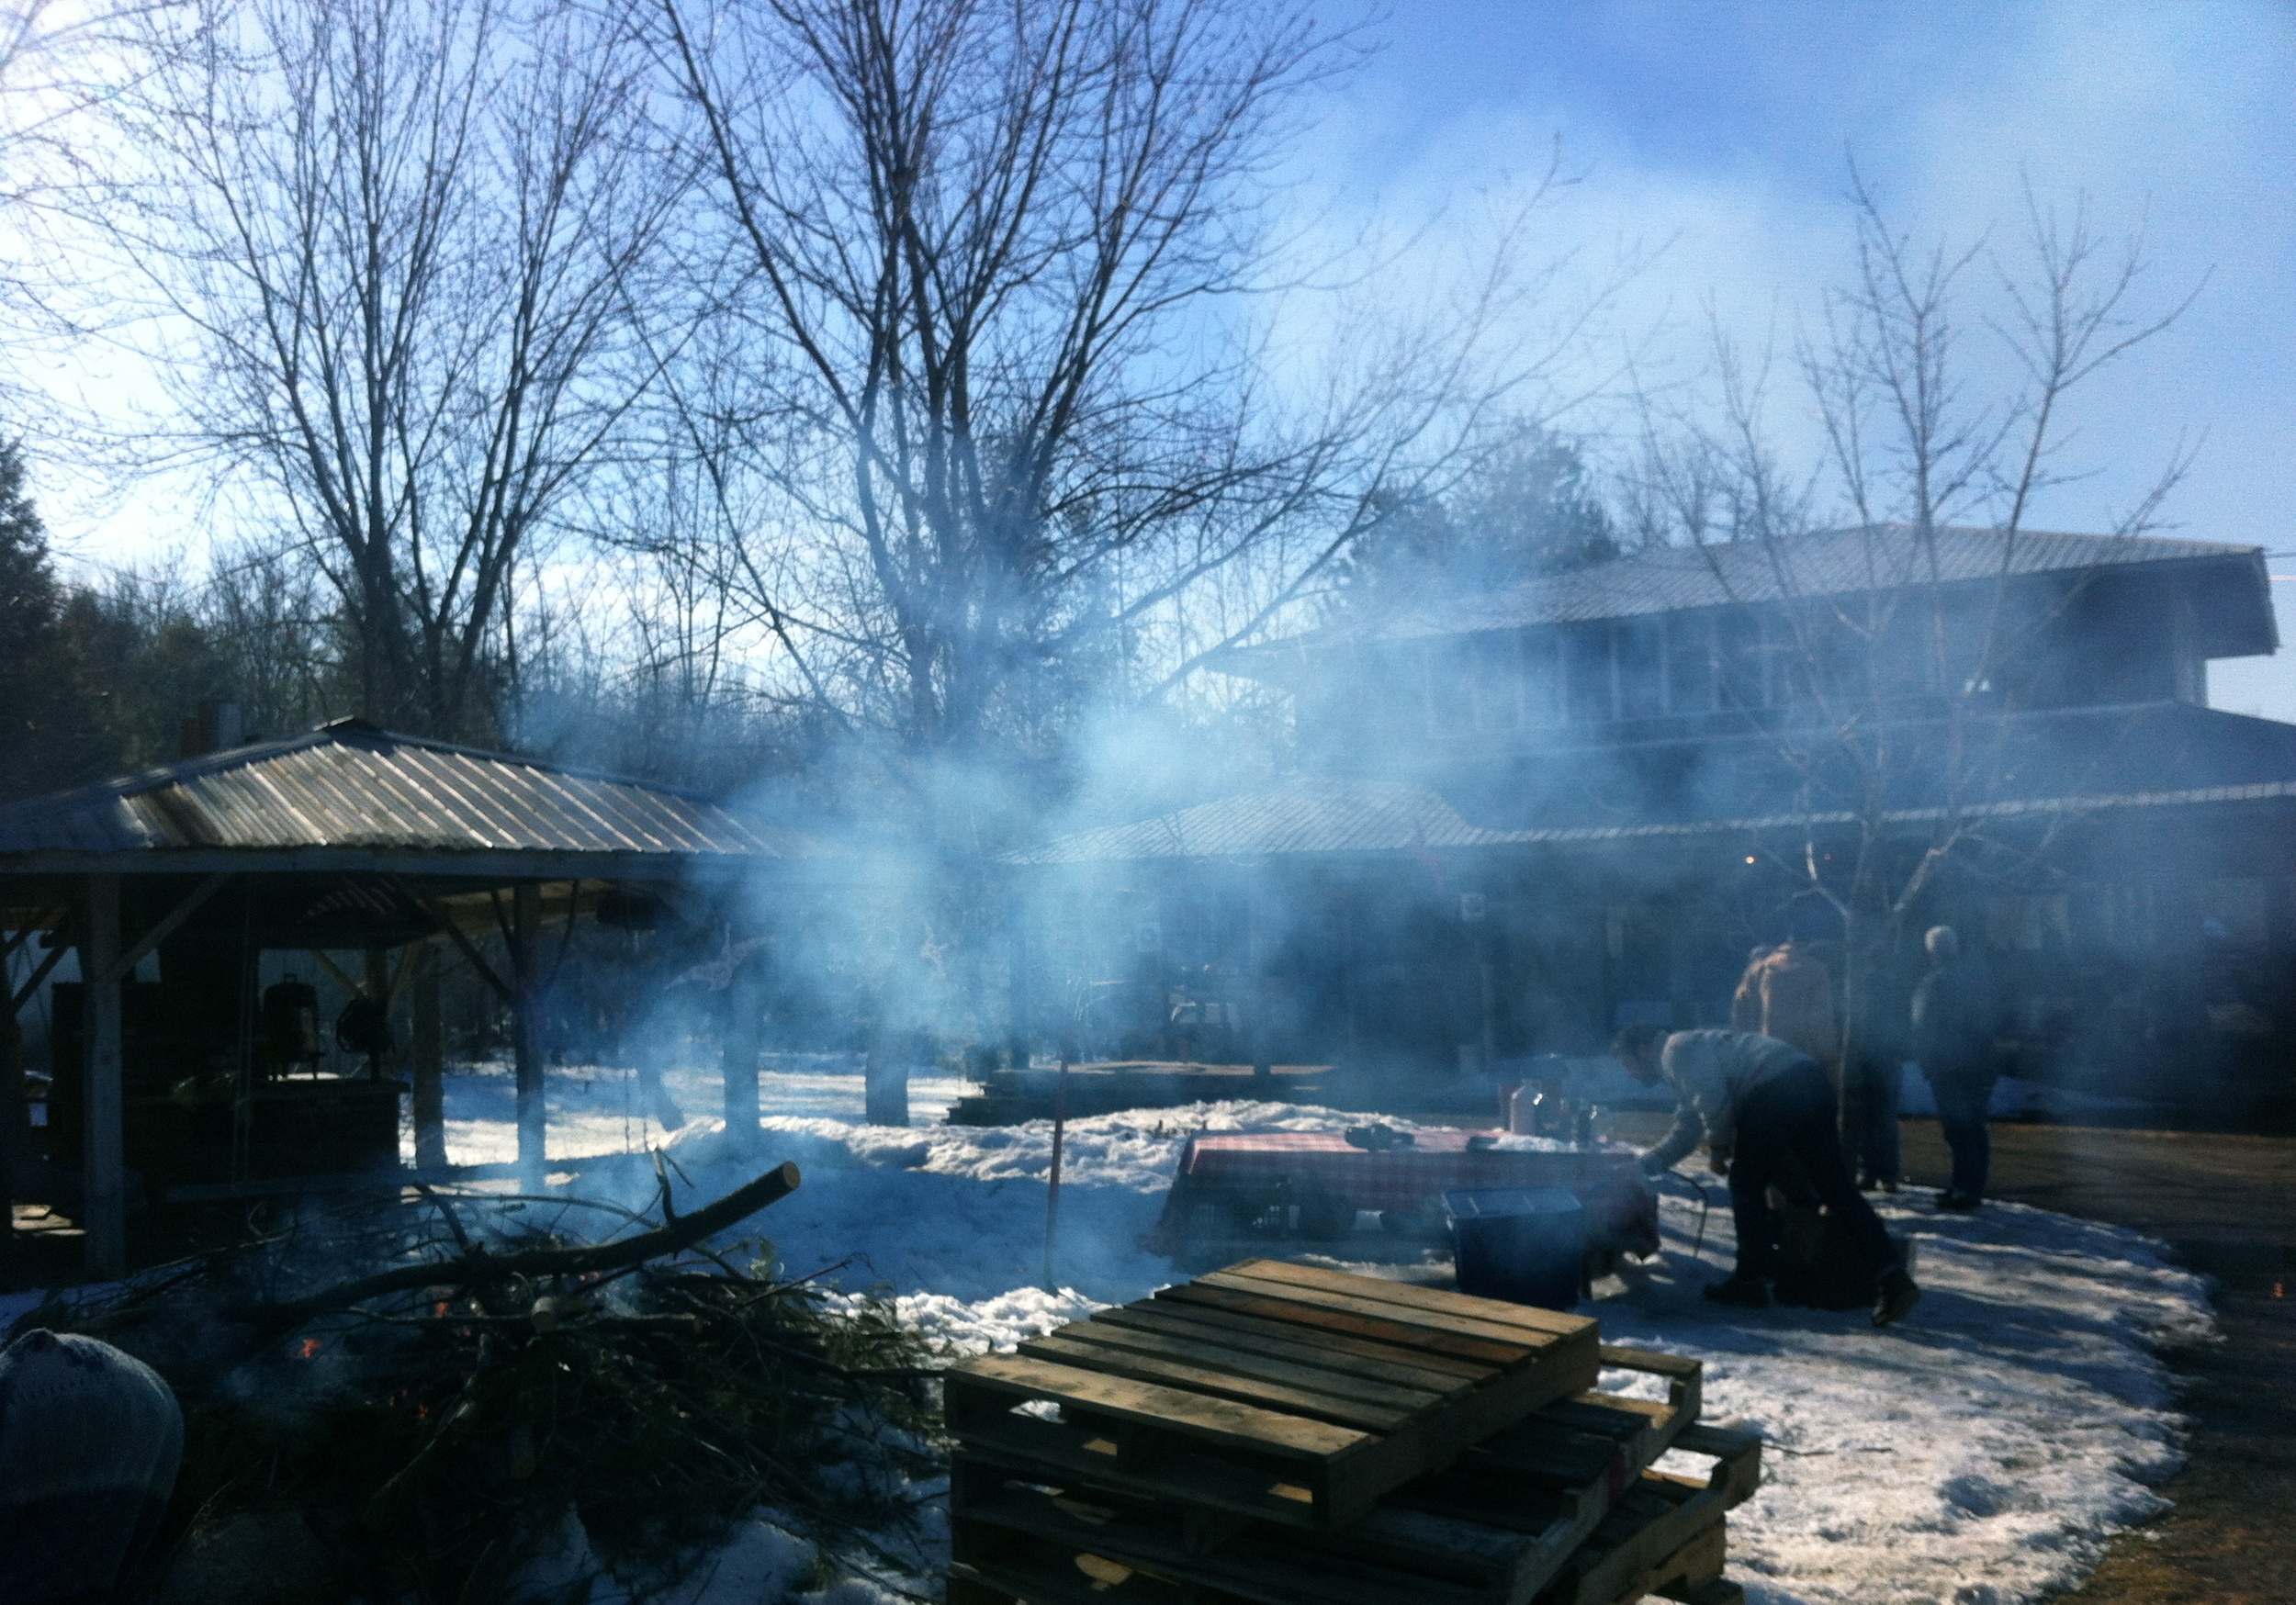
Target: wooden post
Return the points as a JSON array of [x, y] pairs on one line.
[[744, 1012], [104, 1162], [428, 1044], [1053, 1192], [377, 988], [526, 1029], [1019, 1006], [1256, 1008]]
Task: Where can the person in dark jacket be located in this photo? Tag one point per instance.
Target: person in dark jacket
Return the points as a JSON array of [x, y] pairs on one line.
[[1956, 1022], [1757, 1101]]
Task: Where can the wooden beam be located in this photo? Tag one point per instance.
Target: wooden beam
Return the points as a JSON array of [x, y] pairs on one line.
[[342, 976], [170, 922], [23, 992], [526, 1029], [106, 1243], [470, 953], [25, 935], [398, 975]]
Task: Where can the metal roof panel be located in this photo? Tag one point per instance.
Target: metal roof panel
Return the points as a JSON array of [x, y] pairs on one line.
[[353, 786], [1724, 574]]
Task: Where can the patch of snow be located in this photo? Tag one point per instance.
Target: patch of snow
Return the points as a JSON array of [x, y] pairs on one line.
[[1995, 1439]]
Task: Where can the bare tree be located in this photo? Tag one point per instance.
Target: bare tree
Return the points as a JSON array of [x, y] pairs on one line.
[[996, 424], [394, 251], [1898, 660]]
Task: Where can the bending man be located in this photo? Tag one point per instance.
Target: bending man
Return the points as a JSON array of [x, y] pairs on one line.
[[1756, 1100]]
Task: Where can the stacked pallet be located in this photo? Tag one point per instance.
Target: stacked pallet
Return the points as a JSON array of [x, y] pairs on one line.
[[1287, 1435]]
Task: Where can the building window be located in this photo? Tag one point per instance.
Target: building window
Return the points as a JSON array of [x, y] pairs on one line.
[[1689, 679], [1641, 649], [1496, 677], [1542, 678], [1450, 696], [2029, 923], [1743, 660], [1586, 674]]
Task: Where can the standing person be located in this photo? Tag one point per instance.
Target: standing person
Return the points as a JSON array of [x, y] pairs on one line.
[[1787, 992], [1955, 1021], [1757, 1101], [1746, 1007]]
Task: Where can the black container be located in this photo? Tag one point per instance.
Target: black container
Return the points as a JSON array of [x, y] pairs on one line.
[[1526, 1245]]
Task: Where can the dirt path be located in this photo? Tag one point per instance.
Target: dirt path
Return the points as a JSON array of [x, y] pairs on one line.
[[2228, 1204]]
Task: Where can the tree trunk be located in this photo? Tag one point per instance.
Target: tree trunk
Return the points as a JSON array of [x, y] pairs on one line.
[[526, 1030], [886, 1079]]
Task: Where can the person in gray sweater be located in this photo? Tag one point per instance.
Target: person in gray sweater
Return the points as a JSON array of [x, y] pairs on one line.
[[1756, 1100]]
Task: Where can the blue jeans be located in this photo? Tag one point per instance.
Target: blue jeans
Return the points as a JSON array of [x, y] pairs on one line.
[[1795, 1114], [1964, 1103]]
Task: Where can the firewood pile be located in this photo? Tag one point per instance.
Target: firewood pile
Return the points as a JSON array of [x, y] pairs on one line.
[[1288, 1435], [492, 1368]]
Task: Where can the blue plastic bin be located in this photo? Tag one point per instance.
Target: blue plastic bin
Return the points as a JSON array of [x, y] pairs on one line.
[[1526, 1245]]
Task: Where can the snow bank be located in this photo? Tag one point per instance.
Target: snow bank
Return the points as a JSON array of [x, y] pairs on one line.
[[1978, 1454]]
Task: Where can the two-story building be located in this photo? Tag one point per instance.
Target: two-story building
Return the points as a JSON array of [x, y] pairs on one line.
[[1524, 816]]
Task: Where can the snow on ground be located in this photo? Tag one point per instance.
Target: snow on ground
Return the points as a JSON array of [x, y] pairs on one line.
[[1978, 1454]]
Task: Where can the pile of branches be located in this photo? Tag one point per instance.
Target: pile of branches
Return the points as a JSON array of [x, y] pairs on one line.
[[434, 1417]]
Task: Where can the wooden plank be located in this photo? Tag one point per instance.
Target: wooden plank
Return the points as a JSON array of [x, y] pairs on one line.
[[1188, 1478], [1039, 1577], [1438, 1341], [1385, 1309], [1215, 1382], [1681, 1544], [1737, 1473], [1678, 1367], [1307, 1370], [1226, 1422], [1282, 1570], [1431, 1300], [1715, 1590], [1497, 1520], [1287, 1339]]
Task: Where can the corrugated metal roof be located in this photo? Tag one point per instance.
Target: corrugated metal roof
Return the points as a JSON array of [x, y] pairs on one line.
[[351, 785], [1313, 815], [1359, 817], [1835, 563]]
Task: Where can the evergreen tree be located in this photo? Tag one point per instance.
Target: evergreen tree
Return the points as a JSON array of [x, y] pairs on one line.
[[46, 733], [1529, 510]]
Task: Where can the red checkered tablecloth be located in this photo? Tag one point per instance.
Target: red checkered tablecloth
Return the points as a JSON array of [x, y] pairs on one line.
[[1401, 1178]]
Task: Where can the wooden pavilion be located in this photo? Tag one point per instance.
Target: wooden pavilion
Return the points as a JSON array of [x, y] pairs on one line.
[[350, 837]]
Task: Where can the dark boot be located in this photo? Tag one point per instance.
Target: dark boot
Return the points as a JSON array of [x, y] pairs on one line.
[[1897, 1298], [1745, 1292]]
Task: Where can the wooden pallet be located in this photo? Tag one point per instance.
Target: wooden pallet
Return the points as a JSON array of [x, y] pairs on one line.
[[1084, 1546], [1489, 1530], [1271, 1392], [1666, 1536]]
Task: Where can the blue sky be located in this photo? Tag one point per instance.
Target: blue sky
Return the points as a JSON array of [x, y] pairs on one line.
[[1724, 128]]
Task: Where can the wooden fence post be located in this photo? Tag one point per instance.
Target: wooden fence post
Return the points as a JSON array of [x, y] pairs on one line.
[[428, 1050], [526, 1030]]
